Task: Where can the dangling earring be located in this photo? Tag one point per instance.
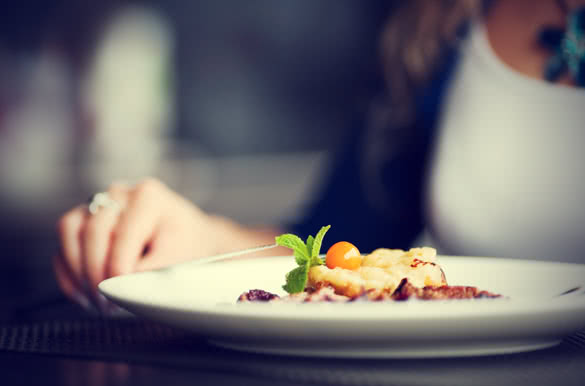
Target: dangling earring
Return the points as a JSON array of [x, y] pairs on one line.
[[568, 47]]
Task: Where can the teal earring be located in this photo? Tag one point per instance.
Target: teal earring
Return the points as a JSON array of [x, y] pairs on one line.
[[568, 47]]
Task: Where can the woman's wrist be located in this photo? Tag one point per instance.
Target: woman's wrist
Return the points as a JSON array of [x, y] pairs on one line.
[[227, 235]]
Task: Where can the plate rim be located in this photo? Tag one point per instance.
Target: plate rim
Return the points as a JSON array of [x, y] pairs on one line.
[[255, 327], [519, 306]]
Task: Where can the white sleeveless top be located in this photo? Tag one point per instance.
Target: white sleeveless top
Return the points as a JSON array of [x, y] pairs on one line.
[[508, 176]]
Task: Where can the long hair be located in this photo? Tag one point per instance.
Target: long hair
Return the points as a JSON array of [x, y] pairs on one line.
[[416, 35]]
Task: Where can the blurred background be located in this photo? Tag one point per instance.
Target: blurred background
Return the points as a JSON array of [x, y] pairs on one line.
[[235, 104]]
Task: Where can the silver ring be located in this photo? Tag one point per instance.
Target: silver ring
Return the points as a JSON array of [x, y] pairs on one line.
[[102, 200]]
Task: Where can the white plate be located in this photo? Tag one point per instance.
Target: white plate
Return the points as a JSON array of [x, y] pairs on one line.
[[202, 298]]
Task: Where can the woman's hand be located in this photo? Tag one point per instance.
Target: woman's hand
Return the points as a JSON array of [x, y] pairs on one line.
[[151, 227]]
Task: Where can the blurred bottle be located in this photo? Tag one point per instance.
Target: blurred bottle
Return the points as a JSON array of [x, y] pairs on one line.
[[128, 96]]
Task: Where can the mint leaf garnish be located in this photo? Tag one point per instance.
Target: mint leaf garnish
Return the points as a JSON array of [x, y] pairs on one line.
[[318, 241], [310, 241], [295, 243], [316, 260], [306, 256], [296, 280]]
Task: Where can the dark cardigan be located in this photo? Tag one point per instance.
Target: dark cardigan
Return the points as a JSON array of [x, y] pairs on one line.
[[342, 201]]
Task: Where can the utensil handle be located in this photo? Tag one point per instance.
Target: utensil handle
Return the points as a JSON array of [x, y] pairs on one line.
[[227, 255]]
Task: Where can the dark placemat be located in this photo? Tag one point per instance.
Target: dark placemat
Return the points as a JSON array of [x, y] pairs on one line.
[[92, 337], [138, 341]]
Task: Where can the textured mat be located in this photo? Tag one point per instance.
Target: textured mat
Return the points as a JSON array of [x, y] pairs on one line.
[[137, 341], [91, 337]]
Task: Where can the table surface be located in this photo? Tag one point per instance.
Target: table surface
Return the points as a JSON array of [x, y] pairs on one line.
[[58, 344]]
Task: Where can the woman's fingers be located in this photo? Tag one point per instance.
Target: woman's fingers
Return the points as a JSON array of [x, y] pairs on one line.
[[68, 284], [96, 242], [97, 235], [136, 227], [155, 228], [154, 259], [162, 251], [70, 227]]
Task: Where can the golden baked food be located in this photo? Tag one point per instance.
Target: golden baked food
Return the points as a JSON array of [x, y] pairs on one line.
[[381, 270], [346, 276]]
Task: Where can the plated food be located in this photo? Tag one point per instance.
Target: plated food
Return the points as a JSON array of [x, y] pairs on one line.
[[201, 298], [347, 276]]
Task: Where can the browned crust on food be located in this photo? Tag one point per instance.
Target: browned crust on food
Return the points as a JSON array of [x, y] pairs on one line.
[[322, 294], [310, 295], [404, 291], [416, 262], [257, 295], [346, 291]]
